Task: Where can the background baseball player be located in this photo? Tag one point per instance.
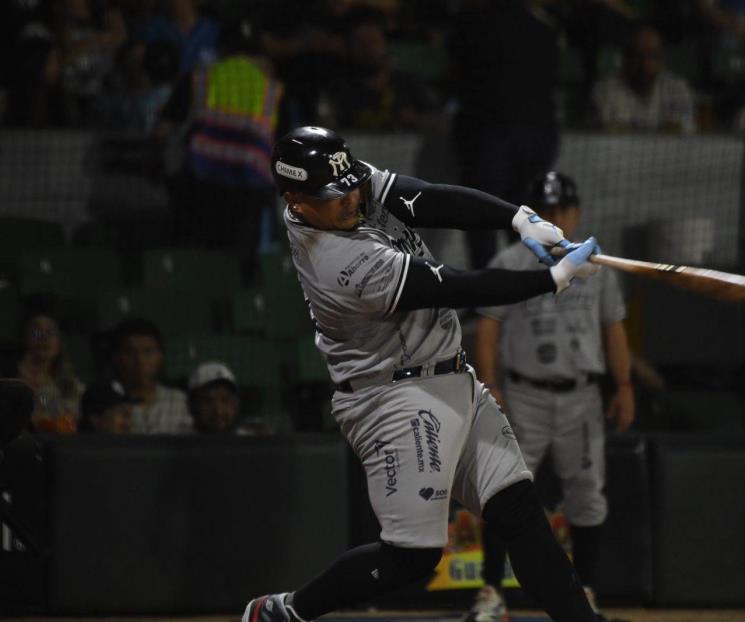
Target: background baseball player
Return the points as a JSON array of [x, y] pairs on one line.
[[423, 426], [542, 360]]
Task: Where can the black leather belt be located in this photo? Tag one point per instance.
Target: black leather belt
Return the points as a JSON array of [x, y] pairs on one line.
[[453, 365], [562, 385]]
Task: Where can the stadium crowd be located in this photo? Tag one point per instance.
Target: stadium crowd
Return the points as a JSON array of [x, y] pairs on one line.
[[207, 85]]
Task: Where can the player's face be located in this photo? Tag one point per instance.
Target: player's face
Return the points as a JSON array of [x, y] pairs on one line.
[[342, 214]]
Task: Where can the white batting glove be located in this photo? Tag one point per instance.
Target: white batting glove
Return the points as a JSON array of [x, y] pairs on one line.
[[537, 234], [575, 264]]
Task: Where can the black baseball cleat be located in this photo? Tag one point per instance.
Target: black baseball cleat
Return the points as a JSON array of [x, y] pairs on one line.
[[271, 608]]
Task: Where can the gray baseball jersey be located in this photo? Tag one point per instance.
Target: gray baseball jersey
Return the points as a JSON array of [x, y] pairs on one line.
[[420, 440], [352, 281], [553, 336], [560, 337]]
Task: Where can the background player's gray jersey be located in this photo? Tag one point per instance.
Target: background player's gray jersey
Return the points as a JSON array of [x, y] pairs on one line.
[[353, 280], [554, 336]]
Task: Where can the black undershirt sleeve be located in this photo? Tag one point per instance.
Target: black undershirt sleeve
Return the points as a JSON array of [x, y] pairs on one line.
[[421, 204], [432, 285]]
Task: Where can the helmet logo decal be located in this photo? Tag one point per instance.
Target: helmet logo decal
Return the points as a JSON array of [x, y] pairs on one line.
[[293, 172], [339, 163]]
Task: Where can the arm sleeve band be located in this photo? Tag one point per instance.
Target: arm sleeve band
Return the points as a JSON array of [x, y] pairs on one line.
[[432, 285], [421, 204]]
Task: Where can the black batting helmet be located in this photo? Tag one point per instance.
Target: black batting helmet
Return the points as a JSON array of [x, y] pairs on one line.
[[553, 190], [316, 162]]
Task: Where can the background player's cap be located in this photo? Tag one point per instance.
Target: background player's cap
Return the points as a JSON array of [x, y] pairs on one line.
[[211, 372], [317, 162], [553, 189]]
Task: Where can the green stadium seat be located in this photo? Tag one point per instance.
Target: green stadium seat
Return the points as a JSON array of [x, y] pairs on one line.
[[10, 312], [208, 273], [254, 361], [80, 353], [311, 366], [287, 314], [251, 312], [29, 233], [74, 273], [419, 58], [23, 234], [173, 312]]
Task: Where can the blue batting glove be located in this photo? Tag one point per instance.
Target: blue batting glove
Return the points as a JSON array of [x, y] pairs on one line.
[[539, 251]]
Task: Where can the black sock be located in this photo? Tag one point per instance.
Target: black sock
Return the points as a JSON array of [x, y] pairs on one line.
[[585, 550], [361, 574], [539, 562], [495, 553]]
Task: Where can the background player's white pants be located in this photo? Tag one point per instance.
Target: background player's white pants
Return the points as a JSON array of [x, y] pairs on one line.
[[569, 426], [423, 440]]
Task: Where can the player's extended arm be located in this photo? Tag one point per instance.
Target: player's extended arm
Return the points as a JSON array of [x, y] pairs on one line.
[[421, 204], [431, 285], [621, 407]]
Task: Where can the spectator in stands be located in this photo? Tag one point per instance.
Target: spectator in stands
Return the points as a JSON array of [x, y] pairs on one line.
[[215, 405], [65, 52], [644, 95], [506, 133], [138, 359], [106, 408], [232, 109], [214, 401], [725, 47], [45, 367], [370, 94], [195, 34], [140, 87]]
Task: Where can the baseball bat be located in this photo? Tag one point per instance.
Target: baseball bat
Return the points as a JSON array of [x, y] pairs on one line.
[[721, 285]]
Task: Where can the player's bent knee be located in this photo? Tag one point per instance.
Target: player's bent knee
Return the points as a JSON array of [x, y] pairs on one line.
[[514, 510], [409, 565]]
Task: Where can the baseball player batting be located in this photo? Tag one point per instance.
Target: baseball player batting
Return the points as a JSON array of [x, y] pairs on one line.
[[550, 355], [422, 425]]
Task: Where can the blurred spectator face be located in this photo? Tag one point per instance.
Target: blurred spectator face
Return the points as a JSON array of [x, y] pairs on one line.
[[79, 10], [215, 407], [114, 420], [565, 217], [43, 338], [138, 360], [644, 59], [367, 48]]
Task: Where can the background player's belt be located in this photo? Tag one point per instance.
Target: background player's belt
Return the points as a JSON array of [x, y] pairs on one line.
[[557, 385], [455, 364]]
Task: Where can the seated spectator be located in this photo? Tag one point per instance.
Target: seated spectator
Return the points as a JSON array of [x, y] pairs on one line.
[[65, 52], [214, 402], [371, 94], [644, 95], [725, 58], [196, 35], [106, 408], [45, 367], [137, 360]]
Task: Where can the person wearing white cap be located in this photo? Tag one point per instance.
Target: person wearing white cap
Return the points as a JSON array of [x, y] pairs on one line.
[[214, 402]]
